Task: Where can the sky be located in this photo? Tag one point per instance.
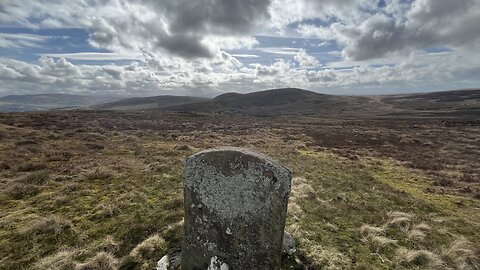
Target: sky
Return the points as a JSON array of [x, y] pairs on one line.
[[209, 47]]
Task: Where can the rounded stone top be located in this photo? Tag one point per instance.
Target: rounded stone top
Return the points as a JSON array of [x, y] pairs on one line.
[[222, 158], [236, 182]]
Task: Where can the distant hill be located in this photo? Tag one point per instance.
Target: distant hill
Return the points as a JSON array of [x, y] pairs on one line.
[[457, 102], [293, 101], [41, 102], [275, 102], [145, 103], [285, 101]]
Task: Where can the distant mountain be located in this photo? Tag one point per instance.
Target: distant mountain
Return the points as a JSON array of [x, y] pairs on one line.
[[275, 102], [293, 101], [146, 103], [41, 102], [285, 101]]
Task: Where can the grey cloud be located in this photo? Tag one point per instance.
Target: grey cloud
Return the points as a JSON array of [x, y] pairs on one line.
[[218, 16], [185, 45], [126, 34], [428, 23], [374, 38], [178, 27]]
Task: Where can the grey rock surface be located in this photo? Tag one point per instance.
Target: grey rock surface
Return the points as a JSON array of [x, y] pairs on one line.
[[235, 207], [289, 245], [164, 263]]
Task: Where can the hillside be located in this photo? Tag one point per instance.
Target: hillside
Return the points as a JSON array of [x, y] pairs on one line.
[[41, 102], [286, 101], [145, 103], [292, 101], [459, 102]]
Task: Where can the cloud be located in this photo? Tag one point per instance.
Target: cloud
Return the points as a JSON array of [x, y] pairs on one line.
[[214, 46], [184, 28], [9, 73], [22, 40], [279, 50], [214, 16], [375, 37], [287, 12], [308, 30], [95, 56], [188, 29], [428, 23], [366, 30], [305, 60]]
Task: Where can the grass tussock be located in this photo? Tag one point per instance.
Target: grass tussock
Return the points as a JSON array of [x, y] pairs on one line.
[[101, 173], [327, 258], [418, 258], [367, 230], [62, 260], [301, 189], [382, 241], [422, 227], [109, 245], [101, 261], [461, 255], [18, 191], [103, 211], [30, 166], [295, 210], [416, 235], [36, 178], [146, 254], [153, 246], [52, 224]]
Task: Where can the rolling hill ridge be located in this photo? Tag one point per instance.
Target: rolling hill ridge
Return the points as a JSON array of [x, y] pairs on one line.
[[41, 102], [285, 101], [146, 103]]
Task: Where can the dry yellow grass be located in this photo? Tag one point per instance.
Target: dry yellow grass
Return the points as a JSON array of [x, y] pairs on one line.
[[51, 224], [461, 255], [62, 260], [101, 261], [366, 230], [416, 235], [420, 258], [150, 246], [323, 257]]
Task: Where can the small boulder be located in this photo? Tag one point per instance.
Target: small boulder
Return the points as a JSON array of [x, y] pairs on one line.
[[171, 261], [163, 263], [289, 245]]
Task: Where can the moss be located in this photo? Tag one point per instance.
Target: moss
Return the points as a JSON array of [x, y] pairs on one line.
[[415, 184], [350, 194]]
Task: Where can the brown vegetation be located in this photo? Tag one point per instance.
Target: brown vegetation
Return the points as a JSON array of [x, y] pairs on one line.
[[93, 189]]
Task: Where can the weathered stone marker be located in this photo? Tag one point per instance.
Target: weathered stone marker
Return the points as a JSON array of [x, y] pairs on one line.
[[235, 207]]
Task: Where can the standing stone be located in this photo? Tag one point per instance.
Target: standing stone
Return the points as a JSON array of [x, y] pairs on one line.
[[235, 207]]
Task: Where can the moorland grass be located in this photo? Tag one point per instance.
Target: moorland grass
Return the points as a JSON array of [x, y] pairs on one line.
[[121, 206]]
